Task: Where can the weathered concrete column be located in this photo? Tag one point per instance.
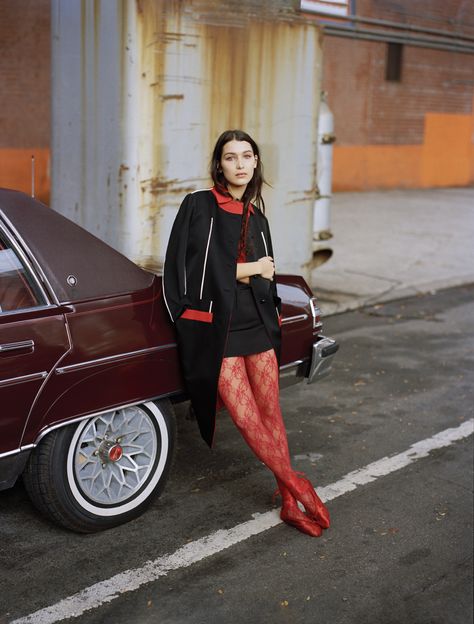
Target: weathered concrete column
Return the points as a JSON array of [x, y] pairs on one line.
[[142, 90]]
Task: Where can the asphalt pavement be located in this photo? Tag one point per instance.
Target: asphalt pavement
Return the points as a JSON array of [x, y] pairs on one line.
[[386, 439]]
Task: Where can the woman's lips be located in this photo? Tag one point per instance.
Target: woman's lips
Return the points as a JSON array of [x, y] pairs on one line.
[[241, 175]]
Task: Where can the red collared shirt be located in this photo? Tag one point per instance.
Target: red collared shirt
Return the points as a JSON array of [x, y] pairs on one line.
[[228, 203]]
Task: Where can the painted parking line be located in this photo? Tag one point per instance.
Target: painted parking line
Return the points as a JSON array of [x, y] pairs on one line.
[[105, 591]]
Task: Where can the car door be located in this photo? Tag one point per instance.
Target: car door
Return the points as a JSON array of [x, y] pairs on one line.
[[33, 337]]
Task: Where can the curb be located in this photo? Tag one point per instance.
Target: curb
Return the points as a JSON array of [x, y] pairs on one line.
[[331, 308]]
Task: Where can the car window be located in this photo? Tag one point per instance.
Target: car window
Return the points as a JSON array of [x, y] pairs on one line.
[[16, 287]]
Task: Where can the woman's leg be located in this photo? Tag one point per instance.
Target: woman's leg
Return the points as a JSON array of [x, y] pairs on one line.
[[263, 374], [262, 370], [238, 397]]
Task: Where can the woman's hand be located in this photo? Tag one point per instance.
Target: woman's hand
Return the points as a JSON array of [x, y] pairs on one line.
[[267, 267], [264, 267]]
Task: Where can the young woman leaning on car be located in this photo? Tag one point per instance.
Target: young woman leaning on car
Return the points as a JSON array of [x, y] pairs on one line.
[[221, 294]]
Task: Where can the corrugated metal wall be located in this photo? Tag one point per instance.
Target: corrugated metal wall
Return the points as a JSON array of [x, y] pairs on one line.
[[157, 82]]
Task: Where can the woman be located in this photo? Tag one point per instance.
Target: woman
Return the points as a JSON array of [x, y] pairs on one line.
[[220, 292]]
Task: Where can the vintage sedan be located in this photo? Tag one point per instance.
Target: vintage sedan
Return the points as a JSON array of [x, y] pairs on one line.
[[89, 368]]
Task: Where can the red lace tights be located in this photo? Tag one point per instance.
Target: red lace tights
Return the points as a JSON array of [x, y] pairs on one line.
[[248, 386]]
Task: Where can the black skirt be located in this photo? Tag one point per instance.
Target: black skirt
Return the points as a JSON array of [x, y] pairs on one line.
[[247, 333]]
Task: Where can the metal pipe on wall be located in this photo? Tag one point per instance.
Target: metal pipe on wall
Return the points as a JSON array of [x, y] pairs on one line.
[[374, 35], [391, 24]]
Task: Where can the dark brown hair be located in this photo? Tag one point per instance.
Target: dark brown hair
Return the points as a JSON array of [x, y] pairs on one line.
[[254, 187]]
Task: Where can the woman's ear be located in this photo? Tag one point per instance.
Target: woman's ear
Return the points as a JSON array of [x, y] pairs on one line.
[[255, 163]]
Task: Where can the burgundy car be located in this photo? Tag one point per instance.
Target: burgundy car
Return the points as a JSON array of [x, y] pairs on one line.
[[89, 368]]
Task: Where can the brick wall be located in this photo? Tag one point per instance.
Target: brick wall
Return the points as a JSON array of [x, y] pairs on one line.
[[25, 64], [370, 110], [449, 15], [436, 90]]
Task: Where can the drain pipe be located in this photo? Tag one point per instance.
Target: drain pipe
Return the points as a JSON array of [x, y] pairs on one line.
[[321, 212]]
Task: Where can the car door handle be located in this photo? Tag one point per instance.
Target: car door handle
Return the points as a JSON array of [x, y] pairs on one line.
[[23, 345]]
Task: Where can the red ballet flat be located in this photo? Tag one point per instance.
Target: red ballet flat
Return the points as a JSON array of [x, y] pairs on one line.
[[292, 514], [302, 490]]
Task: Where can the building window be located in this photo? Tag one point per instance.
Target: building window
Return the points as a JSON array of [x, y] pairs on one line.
[[393, 68], [331, 7]]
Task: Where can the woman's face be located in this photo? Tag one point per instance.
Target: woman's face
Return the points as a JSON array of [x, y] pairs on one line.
[[238, 162]]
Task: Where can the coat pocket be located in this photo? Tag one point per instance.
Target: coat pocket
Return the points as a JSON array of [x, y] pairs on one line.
[[201, 312], [197, 315]]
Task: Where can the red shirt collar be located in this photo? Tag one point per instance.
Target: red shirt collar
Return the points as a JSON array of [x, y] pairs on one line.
[[227, 202]]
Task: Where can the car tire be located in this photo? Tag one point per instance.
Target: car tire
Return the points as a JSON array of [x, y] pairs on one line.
[[104, 470]]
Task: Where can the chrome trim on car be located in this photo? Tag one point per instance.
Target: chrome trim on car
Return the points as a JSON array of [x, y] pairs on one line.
[[23, 378], [17, 451], [293, 372], [51, 371], [294, 319], [38, 308], [47, 430], [290, 365], [315, 311], [321, 359], [113, 358], [17, 346], [32, 259]]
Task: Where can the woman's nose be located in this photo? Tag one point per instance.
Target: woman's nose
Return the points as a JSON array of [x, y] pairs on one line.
[[240, 163]]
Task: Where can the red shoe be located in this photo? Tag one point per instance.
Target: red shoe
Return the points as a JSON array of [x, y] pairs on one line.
[[292, 514], [302, 489]]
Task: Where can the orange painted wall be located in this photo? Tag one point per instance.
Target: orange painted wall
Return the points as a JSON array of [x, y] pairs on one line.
[[445, 158], [15, 170]]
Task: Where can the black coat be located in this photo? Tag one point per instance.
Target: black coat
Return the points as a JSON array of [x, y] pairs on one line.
[[199, 281]]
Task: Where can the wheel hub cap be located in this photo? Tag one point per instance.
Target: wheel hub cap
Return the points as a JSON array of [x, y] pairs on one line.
[[114, 455]]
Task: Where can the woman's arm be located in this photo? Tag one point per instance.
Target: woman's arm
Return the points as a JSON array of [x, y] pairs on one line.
[[264, 267]]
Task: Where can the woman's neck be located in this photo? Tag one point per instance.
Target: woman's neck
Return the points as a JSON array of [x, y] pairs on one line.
[[237, 192]]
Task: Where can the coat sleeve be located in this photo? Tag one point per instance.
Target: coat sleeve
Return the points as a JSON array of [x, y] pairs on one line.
[[174, 269]]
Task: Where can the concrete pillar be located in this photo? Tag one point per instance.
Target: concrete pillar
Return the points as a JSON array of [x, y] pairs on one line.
[[142, 90]]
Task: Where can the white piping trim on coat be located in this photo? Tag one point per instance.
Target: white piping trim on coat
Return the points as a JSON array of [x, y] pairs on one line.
[[200, 190], [264, 242], [205, 258], [164, 293]]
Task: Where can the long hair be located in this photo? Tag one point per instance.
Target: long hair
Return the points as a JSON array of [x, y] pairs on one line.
[[254, 187]]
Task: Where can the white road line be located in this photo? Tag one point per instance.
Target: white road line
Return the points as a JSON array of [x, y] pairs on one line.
[[105, 591]]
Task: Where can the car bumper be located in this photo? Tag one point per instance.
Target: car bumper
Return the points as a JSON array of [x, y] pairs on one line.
[[317, 367], [321, 358]]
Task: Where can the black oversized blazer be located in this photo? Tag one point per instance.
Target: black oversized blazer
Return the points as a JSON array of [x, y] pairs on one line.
[[199, 282]]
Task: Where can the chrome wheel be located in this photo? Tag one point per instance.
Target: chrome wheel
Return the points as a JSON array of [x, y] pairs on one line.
[[104, 470], [114, 455]]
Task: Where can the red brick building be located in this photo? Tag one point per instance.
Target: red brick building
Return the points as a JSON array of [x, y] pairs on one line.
[[400, 83], [25, 100], [402, 93]]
